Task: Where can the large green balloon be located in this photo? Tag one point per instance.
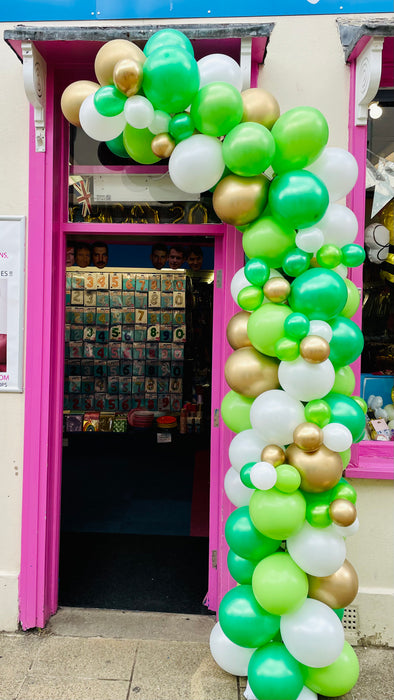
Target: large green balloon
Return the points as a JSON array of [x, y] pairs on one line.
[[274, 674], [248, 149], [216, 109], [244, 621], [171, 79], [137, 143], [300, 136], [266, 327], [109, 101], [346, 343], [345, 381], [240, 569], [337, 678], [235, 411], [298, 197], [277, 515], [319, 294], [268, 239], [279, 585], [243, 538], [345, 410], [168, 37]]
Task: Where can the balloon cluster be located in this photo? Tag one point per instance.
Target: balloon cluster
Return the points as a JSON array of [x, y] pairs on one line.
[[291, 400]]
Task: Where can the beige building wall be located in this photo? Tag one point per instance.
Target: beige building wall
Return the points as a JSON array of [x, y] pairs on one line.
[[304, 65]]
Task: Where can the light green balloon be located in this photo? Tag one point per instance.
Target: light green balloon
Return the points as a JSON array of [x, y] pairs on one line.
[[268, 239], [266, 327], [137, 143], [279, 585], [353, 299], [235, 411], [345, 381], [277, 515], [345, 457], [288, 478], [336, 679], [300, 135]]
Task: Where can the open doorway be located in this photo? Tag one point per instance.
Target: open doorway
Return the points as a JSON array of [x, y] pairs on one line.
[[136, 445]]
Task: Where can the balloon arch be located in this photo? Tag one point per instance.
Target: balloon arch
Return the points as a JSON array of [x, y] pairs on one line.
[[291, 400]]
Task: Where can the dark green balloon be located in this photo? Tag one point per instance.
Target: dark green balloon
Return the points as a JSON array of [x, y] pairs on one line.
[[345, 410], [319, 294], [346, 343], [257, 271], [181, 126], [116, 147], [171, 78], [245, 474], [244, 621], [244, 539], [168, 37], [109, 101], [297, 326], [299, 198], [353, 255], [296, 262], [274, 674], [240, 569]]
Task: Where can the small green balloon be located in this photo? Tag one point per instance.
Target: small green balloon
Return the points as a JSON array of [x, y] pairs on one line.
[[344, 490], [362, 403], [137, 143], [274, 674], [279, 585], [346, 411], [346, 343], [240, 569], [353, 299], [245, 474], [288, 478], [318, 411], [319, 294], [257, 271], [268, 239], [181, 126], [336, 679], [266, 327], [250, 298], [329, 256], [116, 147], [317, 509], [298, 197], [235, 410], [248, 149], [345, 381], [353, 255], [286, 349], [277, 515], [244, 621], [300, 135], [297, 326], [109, 101], [216, 109], [296, 262], [244, 539]]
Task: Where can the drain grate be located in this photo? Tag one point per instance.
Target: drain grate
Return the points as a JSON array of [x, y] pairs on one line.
[[350, 619]]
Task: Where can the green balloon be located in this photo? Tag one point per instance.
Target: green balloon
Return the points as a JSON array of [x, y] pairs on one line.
[[245, 474], [318, 411], [277, 515], [181, 126], [329, 256], [346, 343], [319, 294], [336, 679], [266, 327], [353, 299], [268, 239], [244, 621], [298, 197], [240, 569], [317, 508], [288, 478], [345, 457], [109, 101], [217, 108], [116, 147], [235, 410], [244, 539], [250, 298], [168, 37], [353, 255], [297, 326], [248, 149], [257, 272], [345, 381], [363, 404], [137, 143], [279, 585], [171, 78], [346, 411], [287, 349], [344, 490], [300, 135], [274, 674], [340, 612], [296, 262]]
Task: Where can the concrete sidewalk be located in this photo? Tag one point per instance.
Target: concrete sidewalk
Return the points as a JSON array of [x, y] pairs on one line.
[[121, 655]]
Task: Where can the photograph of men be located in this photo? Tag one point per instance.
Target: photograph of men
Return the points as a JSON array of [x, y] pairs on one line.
[[194, 257], [159, 255], [82, 254], [99, 254], [176, 256]]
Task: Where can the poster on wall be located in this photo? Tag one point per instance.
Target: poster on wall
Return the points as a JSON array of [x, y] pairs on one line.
[[12, 255]]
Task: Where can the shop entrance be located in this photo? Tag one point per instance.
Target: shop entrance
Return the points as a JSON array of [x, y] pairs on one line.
[[136, 423]]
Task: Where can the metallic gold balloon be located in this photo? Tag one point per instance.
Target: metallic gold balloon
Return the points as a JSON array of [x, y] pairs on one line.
[[72, 98], [127, 76], [239, 200], [308, 437], [277, 290], [260, 106], [162, 145], [249, 373], [314, 349], [337, 590], [273, 454], [110, 53], [237, 330], [320, 470], [342, 512]]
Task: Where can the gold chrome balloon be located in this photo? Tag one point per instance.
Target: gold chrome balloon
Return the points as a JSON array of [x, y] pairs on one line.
[[277, 290], [110, 53], [337, 590], [249, 373], [342, 512], [320, 470], [72, 98], [239, 200], [237, 330], [127, 76], [260, 106], [314, 349], [162, 145], [308, 437], [273, 454]]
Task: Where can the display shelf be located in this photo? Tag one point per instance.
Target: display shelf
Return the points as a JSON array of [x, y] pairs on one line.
[[371, 459]]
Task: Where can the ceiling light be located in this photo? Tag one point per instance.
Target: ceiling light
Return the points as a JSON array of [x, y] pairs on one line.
[[375, 110]]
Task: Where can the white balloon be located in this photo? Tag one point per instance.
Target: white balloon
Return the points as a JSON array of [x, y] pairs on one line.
[[218, 67], [139, 112], [237, 493], [337, 437], [309, 239], [306, 381], [320, 328], [307, 694], [229, 656], [263, 476], [238, 282], [338, 170], [274, 415], [339, 225], [96, 126], [317, 551], [196, 164], [245, 447], [160, 122], [313, 634], [389, 408], [341, 270], [249, 694], [347, 531]]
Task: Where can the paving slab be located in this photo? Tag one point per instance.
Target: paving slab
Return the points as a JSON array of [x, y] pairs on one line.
[[376, 680], [39, 688], [17, 653], [9, 688]]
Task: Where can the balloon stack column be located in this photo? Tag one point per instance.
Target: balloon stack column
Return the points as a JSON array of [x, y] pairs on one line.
[[291, 403]]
